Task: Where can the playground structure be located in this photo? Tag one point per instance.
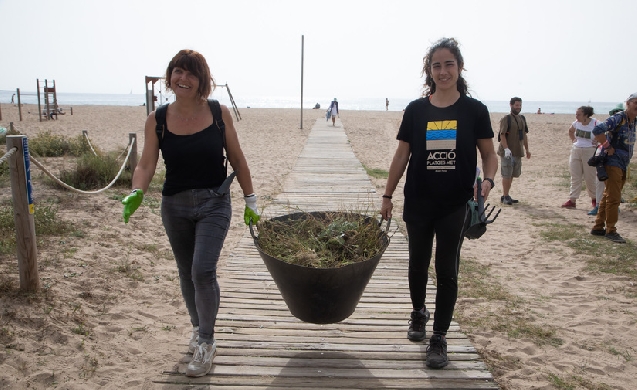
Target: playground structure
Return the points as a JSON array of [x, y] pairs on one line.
[[151, 98], [48, 108]]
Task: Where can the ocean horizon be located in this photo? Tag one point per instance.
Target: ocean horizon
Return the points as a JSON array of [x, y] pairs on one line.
[[67, 100]]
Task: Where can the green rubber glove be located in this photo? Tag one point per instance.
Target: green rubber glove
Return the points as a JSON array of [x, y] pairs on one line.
[[131, 203], [251, 212]]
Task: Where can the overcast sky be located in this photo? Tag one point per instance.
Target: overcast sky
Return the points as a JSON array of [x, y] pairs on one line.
[[559, 50]]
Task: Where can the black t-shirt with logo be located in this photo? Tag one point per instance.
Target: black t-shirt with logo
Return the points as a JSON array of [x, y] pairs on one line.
[[442, 142]]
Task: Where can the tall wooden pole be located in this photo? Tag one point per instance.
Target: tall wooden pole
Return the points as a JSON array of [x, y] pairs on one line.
[[23, 213], [17, 90], [302, 52]]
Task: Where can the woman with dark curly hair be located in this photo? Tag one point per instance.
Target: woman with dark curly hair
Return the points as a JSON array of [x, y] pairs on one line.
[[438, 142]]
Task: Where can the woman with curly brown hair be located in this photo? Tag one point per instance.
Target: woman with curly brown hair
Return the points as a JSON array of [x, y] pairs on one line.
[[439, 138]]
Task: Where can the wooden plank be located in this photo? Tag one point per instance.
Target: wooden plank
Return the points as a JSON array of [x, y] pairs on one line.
[[262, 345]]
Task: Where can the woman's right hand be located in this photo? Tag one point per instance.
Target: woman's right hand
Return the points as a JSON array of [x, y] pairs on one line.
[[131, 203], [386, 209]]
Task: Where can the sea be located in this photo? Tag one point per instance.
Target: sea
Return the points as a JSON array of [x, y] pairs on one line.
[[67, 100]]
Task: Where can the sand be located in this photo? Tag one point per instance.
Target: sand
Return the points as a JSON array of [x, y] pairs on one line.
[[110, 313]]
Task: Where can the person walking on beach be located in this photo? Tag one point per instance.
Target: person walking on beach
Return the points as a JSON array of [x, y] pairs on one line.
[[386, 104], [437, 139], [334, 111], [583, 148], [513, 142], [192, 133], [617, 135]]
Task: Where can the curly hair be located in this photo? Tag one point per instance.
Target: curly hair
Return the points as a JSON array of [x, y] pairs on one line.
[[587, 111], [452, 45], [196, 64]]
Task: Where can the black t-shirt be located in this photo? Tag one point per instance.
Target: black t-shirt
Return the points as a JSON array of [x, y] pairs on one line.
[[442, 142], [193, 161]]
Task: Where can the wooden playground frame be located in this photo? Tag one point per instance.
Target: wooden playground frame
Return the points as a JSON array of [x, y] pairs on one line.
[[50, 106]]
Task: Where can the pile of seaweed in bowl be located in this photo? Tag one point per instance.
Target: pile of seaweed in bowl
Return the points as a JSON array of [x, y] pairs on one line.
[[321, 239]]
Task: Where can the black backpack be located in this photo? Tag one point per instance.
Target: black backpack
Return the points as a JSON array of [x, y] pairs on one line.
[[215, 108], [526, 127]]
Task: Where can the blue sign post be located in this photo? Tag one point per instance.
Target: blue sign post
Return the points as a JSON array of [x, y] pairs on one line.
[[27, 171]]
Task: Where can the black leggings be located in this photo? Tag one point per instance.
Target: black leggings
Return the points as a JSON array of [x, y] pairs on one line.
[[448, 225]]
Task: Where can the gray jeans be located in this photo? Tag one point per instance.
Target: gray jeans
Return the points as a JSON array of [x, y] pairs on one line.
[[197, 222]]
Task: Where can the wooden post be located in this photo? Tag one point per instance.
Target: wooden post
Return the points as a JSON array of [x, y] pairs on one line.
[[46, 100], [39, 105], [132, 160], [302, 49], [71, 110], [0, 112], [23, 213], [19, 104]]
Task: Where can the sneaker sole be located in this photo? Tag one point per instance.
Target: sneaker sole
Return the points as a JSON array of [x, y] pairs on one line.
[[198, 374], [416, 338], [437, 365], [424, 334]]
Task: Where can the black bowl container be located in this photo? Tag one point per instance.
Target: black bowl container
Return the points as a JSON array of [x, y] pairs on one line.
[[321, 295]]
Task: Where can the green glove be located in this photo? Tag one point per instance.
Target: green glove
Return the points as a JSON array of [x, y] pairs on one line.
[[131, 203], [251, 212]]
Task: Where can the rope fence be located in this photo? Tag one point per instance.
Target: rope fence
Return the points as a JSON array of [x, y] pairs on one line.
[[89, 141], [68, 187], [21, 190], [8, 154]]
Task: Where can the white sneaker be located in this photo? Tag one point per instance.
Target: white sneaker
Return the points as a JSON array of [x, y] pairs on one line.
[[194, 340], [201, 362]]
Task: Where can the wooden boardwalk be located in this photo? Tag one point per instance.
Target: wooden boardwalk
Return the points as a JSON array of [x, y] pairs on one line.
[[260, 345]]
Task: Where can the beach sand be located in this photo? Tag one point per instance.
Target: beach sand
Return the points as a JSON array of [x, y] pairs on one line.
[[110, 313]]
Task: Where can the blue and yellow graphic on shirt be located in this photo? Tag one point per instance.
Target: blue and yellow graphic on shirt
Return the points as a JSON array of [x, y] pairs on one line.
[[441, 144]]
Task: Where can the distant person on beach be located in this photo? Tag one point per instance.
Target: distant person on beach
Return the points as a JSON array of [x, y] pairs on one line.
[[386, 104], [617, 135], [192, 132], [584, 145], [513, 143], [439, 139], [13, 99], [539, 111], [333, 111]]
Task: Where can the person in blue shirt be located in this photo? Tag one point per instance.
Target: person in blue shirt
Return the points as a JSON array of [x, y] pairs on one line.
[[617, 135]]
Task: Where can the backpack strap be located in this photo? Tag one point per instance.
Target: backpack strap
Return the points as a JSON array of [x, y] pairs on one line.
[[160, 118], [215, 107], [526, 127], [508, 128], [520, 133]]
